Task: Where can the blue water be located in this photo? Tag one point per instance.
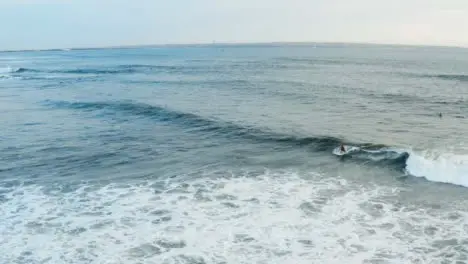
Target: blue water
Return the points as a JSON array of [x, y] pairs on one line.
[[226, 154]]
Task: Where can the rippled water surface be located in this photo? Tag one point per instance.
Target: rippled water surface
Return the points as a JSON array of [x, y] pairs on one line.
[[227, 154]]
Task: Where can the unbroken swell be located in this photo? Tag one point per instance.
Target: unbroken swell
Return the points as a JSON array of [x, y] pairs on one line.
[[371, 153]]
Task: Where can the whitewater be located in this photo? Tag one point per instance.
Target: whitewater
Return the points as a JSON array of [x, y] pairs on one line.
[[230, 154]]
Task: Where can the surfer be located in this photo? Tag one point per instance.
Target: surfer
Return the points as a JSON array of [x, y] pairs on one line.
[[342, 149]]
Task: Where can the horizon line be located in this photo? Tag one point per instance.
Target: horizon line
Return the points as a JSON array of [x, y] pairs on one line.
[[127, 46]]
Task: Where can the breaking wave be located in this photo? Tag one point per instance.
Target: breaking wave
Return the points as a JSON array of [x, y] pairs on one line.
[[439, 167], [443, 168]]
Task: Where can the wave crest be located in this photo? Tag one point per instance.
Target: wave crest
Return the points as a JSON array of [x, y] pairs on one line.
[[120, 69], [374, 153], [439, 167], [454, 77]]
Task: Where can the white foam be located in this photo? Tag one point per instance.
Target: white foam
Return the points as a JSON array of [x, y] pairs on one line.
[[5, 72], [437, 167], [8, 69], [273, 218]]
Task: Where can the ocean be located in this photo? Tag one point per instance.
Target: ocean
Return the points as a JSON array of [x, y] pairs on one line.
[[227, 154]]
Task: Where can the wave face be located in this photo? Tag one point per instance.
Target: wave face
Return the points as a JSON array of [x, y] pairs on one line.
[[438, 168], [376, 154]]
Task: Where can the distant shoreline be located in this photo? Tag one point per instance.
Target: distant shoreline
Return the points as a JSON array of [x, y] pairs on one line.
[[233, 44]]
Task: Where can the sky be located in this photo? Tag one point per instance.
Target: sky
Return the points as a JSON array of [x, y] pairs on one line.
[[44, 24]]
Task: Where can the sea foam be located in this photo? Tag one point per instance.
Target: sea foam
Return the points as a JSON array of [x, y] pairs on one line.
[[277, 217]]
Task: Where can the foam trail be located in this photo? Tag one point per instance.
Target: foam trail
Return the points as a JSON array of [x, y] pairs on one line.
[[445, 168]]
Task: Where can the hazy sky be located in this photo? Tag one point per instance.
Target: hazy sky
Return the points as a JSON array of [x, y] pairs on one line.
[[39, 24]]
